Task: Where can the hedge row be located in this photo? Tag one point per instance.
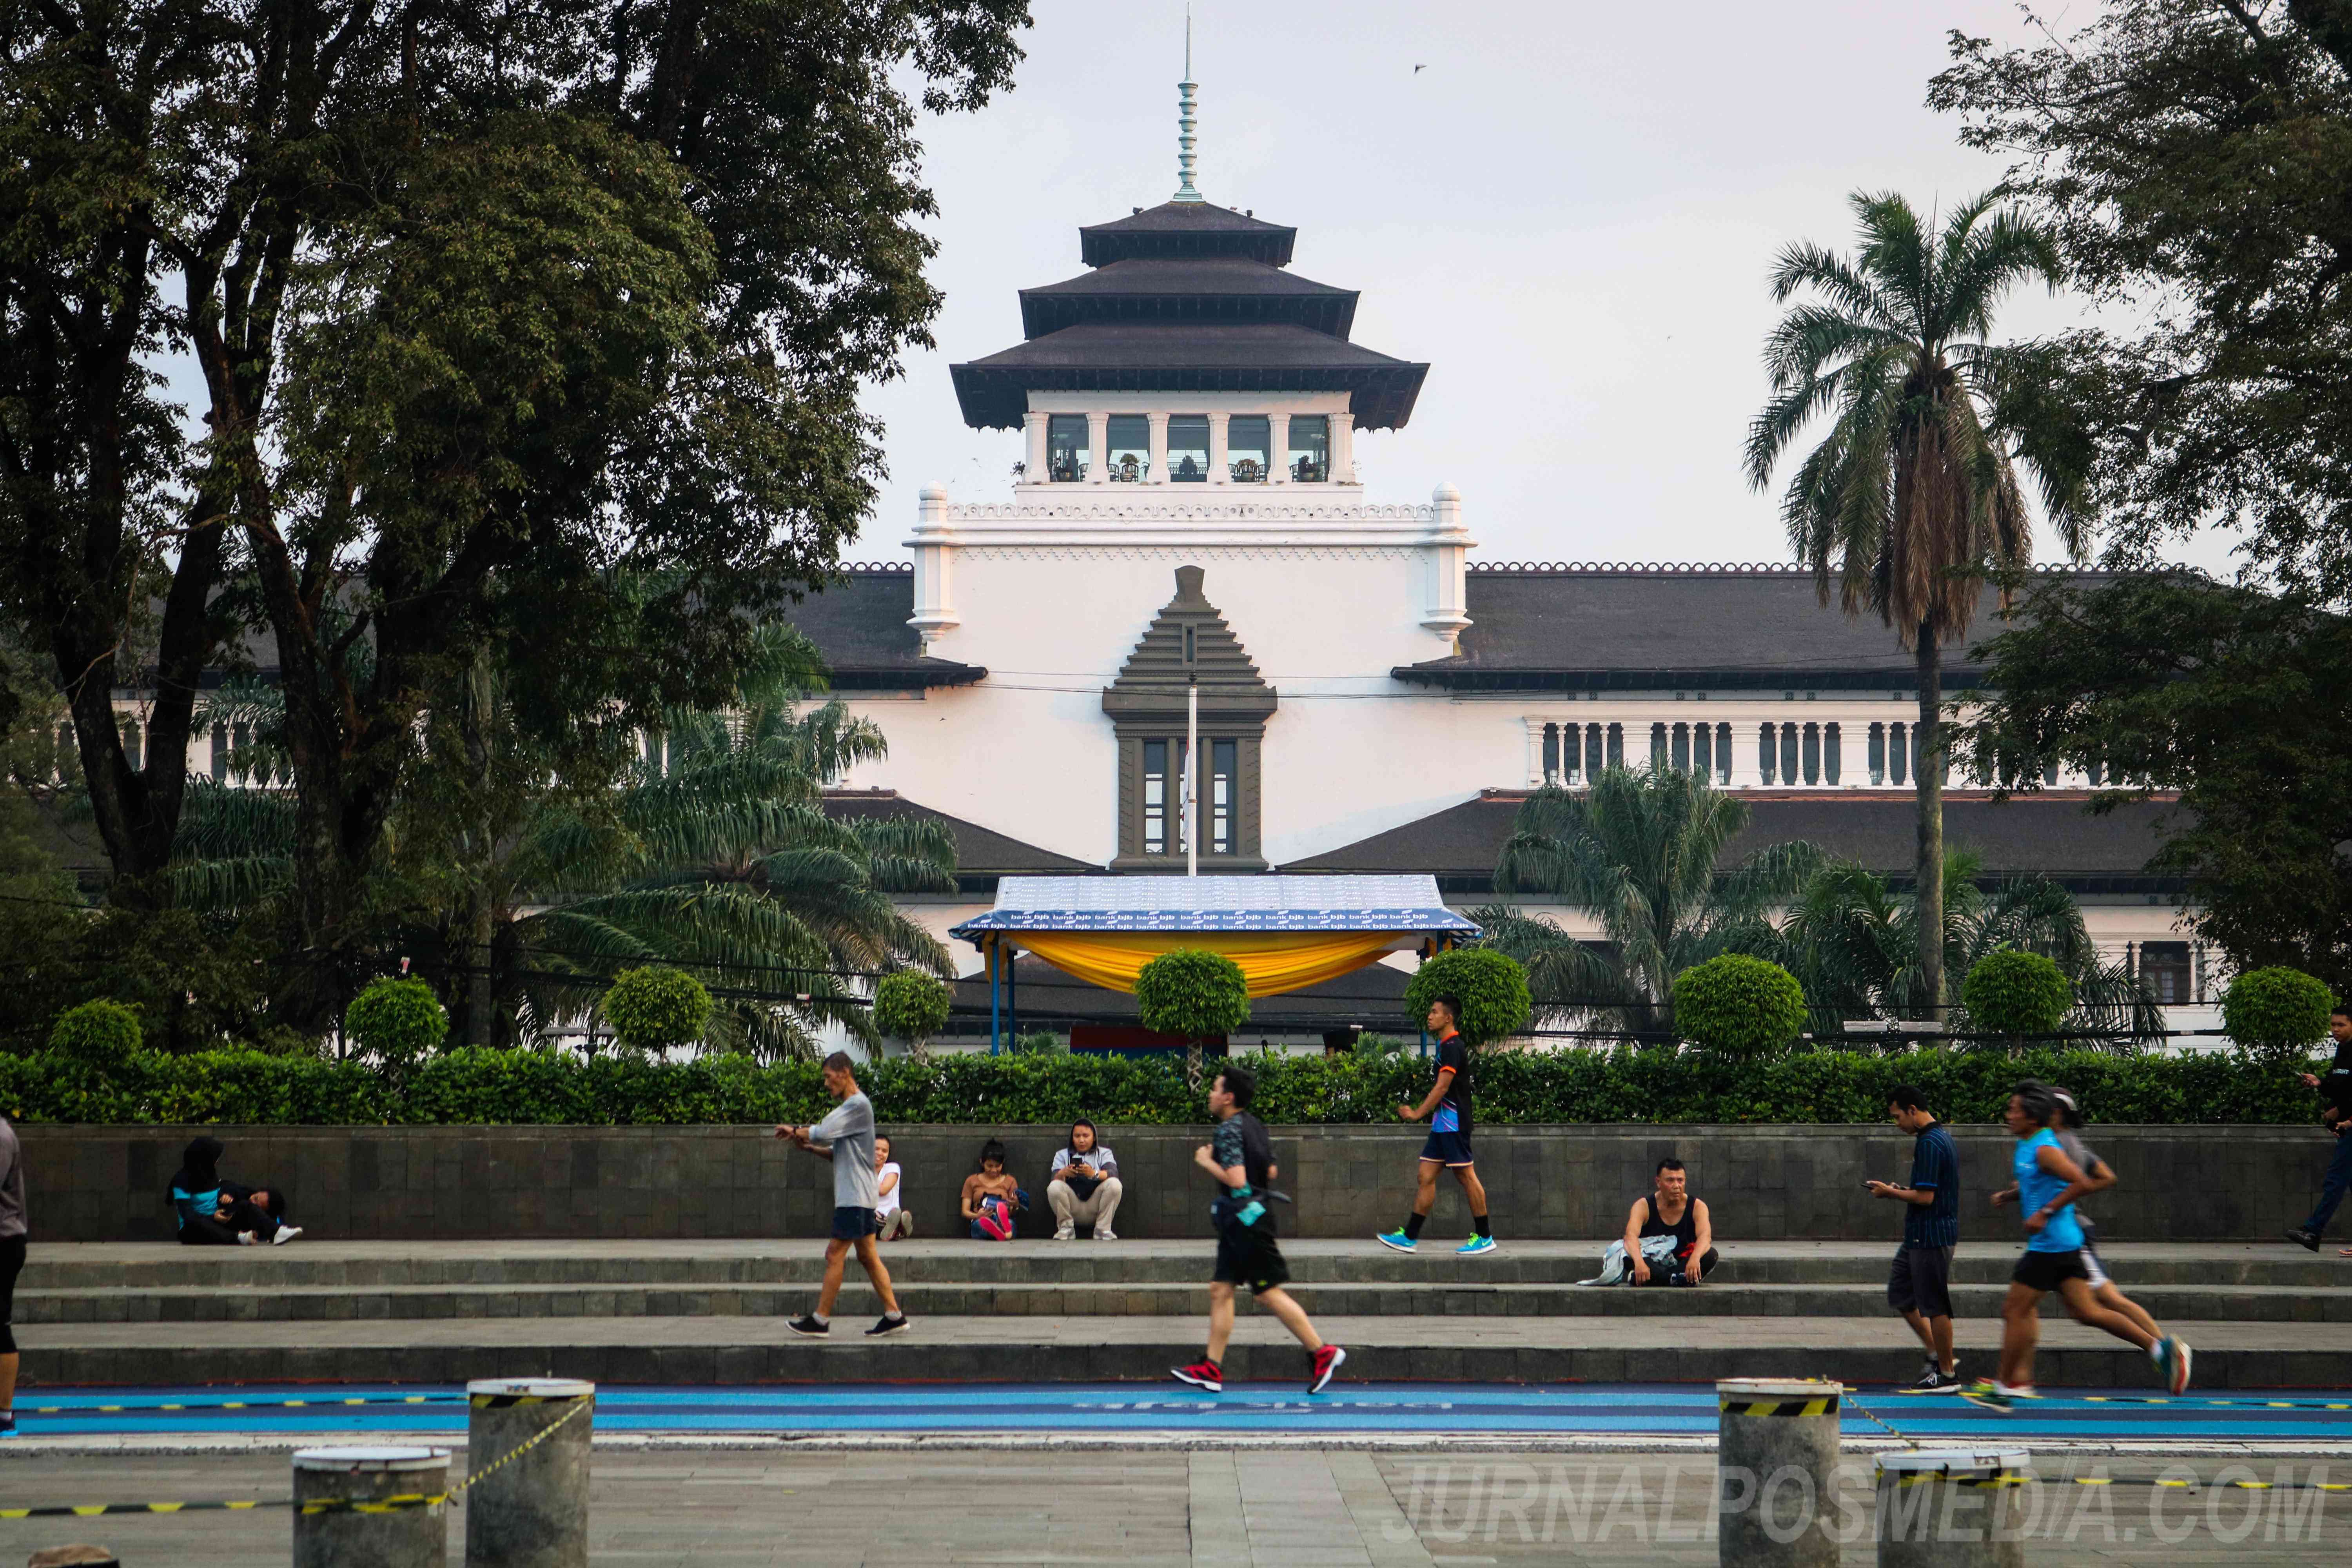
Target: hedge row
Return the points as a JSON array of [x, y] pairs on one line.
[[474, 1086]]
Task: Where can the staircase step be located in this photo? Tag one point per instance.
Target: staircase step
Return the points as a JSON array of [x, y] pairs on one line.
[[748, 1350]]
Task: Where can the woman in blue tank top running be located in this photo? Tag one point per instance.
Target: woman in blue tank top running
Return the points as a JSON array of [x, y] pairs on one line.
[[2048, 1182]]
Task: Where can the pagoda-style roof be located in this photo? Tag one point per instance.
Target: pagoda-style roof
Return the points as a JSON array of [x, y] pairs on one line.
[[1188, 288], [1186, 228], [1187, 296]]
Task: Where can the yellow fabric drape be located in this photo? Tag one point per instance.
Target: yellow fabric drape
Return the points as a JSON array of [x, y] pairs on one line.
[[1272, 962]]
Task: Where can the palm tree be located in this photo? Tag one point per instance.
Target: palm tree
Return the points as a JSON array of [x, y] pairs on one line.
[[1853, 943], [1640, 851], [1912, 499]]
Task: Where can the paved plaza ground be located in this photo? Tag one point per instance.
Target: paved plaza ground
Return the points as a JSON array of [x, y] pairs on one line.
[[1299, 1509]]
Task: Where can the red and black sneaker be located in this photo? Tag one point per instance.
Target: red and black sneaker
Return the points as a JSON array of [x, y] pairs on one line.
[[1328, 1360], [1201, 1375]]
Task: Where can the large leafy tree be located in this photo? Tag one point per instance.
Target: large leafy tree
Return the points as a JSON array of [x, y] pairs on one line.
[[1912, 499], [1642, 852], [2239, 700], [559, 296], [2192, 159]]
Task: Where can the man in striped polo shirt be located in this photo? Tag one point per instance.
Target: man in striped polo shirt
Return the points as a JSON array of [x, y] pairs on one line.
[[1920, 1284]]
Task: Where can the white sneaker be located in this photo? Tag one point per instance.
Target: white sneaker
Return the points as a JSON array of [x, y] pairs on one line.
[[1104, 1233], [247, 1238], [1067, 1233], [286, 1233]]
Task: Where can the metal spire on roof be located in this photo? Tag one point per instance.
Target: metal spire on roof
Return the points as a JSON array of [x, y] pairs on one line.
[[1185, 122]]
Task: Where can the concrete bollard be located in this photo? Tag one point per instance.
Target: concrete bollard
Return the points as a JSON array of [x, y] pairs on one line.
[[1962, 1508], [1775, 1457], [532, 1512], [406, 1535]]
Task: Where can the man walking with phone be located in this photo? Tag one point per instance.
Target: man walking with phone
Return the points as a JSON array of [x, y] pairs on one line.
[[846, 1138], [2336, 1115], [1447, 1148], [1920, 1284]]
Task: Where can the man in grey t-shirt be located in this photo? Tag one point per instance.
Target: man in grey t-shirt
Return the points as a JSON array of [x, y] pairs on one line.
[[846, 1138]]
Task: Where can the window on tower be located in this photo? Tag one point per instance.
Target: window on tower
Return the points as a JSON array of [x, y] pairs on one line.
[[1158, 797], [1128, 440], [1188, 448], [1247, 449], [1310, 447], [1066, 456]]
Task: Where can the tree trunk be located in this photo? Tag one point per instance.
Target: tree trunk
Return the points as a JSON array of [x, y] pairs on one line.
[[1927, 774]]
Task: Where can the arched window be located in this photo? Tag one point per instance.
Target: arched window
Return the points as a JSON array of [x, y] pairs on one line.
[[1831, 762], [1723, 754], [1898, 753], [1878, 753], [1703, 749], [1767, 752], [1551, 753], [1678, 749], [1616, 745], [1596, 755], [1658, 747], [1787, 754]]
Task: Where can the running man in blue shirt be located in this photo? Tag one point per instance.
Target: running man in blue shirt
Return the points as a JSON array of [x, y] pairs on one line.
[[1448, 1144], [2048, 1182]]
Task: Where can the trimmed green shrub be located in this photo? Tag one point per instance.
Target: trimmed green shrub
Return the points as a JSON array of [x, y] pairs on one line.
[[911, 1006], [103, 1035], [1492, 986], [2276, 1013], [397, 1021], [474, 1084], [1740, 1006], [654, 1008], [2014, 992], [1193, 992]]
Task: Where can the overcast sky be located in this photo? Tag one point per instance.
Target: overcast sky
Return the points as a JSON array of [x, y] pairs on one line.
[[1569, 214]]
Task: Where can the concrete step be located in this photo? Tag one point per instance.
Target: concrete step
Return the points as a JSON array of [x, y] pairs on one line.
[[347, 1264], [1720, 1297], [745, 1350]]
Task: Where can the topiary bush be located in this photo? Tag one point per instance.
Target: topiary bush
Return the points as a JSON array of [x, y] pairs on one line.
[[1738, 1007], [2012, 993], [911, 1006], [398, 1022], [656, 1008], [1190, 991], [1492, 986], [2276, 1014], [103, 1035]]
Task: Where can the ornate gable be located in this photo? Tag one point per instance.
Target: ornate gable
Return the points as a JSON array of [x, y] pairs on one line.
[[1188, 643]]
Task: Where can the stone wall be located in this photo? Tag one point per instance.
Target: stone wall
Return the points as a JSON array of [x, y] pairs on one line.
[[2178, 1184]]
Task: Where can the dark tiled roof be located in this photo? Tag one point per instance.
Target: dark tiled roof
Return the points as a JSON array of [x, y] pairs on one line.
[[859, 625], [983, 854], [1186, 228], [1128, 356], [1628, 629], [2049, 834], [1373, 996], [1187, 289]]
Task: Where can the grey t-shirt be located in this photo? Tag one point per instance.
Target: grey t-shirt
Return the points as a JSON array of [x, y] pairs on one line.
[[850, 1131], [12, 1183]]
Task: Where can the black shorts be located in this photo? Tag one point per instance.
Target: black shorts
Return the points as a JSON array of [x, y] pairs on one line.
[[2048, 1270], [1246, 1255], [1921, 1281], [1449, 1149], [849, 1224]]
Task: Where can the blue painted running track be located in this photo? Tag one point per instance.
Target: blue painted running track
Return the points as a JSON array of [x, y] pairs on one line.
[[1393, 1409]]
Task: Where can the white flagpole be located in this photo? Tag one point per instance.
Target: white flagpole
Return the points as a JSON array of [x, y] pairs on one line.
[[1192, 773]]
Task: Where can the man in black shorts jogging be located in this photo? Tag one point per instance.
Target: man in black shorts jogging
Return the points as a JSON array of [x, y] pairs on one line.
[[1241, 1157], [1448, 1144], [1920, 1284]]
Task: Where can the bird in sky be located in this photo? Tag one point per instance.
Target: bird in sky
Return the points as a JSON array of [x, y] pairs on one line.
[[1418, 69]]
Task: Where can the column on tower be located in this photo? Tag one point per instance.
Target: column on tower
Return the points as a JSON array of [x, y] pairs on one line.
[[1278, 449], [1158, 446], [1032, 429], [1343, 448], [1099, 445], [1219, 468]]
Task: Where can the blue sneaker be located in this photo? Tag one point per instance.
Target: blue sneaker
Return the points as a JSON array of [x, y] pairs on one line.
[[1474, 1246], [1397, 1240]]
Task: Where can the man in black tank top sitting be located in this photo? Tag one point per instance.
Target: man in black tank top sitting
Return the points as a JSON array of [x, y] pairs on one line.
[[1671, 1210]]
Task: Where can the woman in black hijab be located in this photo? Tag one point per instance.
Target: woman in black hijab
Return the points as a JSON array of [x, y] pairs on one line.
[[195, 1197]]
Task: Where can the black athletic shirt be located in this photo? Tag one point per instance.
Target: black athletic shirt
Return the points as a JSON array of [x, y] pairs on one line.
[[1684, 1232], [2336, 1083], [1240, 1140], [1453, 1113]]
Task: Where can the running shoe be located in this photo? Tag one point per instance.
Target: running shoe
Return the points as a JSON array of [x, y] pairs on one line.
[[807, 1323], [1328, 1360], [2307, 1239], [1201, 1375], [1105, 1233], [1932, 1381], [7, 1425], [286, 1233], [1989, 1395], [1477, 1246], [2172, 1358], [889, 1325], [1396, 1239]]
